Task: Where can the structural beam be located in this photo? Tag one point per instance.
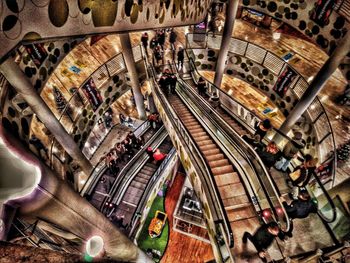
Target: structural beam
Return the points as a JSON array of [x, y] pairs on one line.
[[133, 74], [22, 85], [317, 83], [231, 11]]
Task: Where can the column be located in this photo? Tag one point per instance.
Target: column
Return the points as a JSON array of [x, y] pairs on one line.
[[231, 11], [53, 201], [133, 74], [317, 83], [22, 85]]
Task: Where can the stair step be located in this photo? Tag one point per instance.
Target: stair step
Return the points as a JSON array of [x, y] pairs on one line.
[[225, 179], [237, 200], [205, 148], [214, 157], [201, 133], [201, 138], [206, 142], [219, 163], [241, 213], [222, 170], [232, 190], [211, 151]]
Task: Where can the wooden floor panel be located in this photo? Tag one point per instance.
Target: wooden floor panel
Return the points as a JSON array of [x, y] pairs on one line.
[[182, 248]]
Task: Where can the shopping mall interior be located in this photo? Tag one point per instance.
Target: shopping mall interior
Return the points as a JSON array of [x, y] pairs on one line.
[[175, 131]]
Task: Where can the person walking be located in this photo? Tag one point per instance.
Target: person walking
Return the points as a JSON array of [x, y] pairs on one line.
[[290, 151], [144, 41], [173, 81], [172, 37], [180, 57], [161, 38], [302, 175], [300, 208], [263, 238], [201, 86]]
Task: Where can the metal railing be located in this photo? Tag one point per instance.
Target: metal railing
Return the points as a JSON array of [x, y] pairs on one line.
[[316, 111]]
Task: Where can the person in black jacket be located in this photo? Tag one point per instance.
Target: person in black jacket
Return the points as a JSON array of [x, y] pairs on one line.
[[172, 81], [180, 57], [262, 128], [300, 208], [269, 154], [144, 40], [263, 238], [201, 86], [172, 37]]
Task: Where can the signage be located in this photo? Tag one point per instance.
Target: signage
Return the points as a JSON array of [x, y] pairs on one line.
[[92, 94], [322, 11], [284, 81], [37, 53], [95, 39]]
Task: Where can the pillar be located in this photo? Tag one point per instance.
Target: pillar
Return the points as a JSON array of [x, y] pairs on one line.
[[317, 83], [53, 201], [133, 74], [231, 11], [22, 85]]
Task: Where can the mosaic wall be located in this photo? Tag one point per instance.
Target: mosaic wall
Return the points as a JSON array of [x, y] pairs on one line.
[[110, 92], [55, 53], [249, 71], [326, 31], [62, 18]]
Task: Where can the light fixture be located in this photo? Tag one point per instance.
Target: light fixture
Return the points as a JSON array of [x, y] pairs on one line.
[[276, 35], [94, 246], [310, 79]]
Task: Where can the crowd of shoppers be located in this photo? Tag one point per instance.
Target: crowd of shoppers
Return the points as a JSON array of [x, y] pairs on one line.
[[122, 152]]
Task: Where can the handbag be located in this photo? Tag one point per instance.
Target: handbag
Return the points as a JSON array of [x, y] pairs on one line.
[[295, 175]]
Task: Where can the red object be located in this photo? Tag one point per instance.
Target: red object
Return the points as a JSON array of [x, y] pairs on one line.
[[158, 156], [266, 213]]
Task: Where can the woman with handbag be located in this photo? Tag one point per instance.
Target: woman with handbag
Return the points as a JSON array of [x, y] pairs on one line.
[[302, 174]]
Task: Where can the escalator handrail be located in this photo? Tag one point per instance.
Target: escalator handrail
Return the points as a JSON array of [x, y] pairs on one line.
[[256, 156], [203, 167], [125, 169]]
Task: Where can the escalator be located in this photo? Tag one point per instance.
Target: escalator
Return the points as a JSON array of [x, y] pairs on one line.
[[243, 122], [103, 179], [124, 196], [240, 190], [128, 196]]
